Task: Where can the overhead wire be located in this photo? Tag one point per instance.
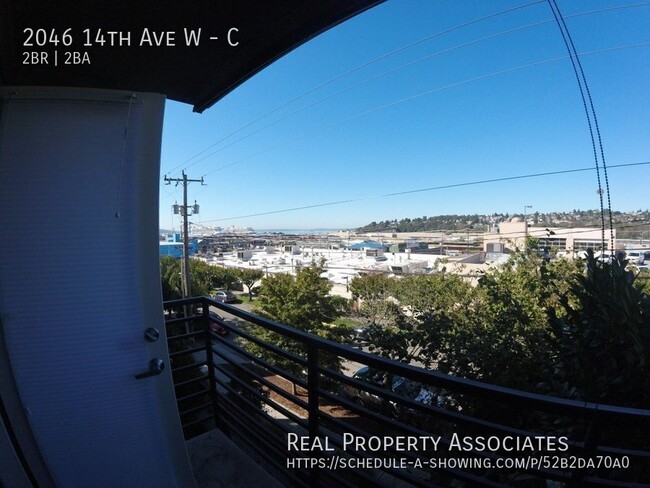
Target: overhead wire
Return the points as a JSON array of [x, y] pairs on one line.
[[413, 97], [424, 94], [377, 76], [583, 86], [360, 67], [421, 190]]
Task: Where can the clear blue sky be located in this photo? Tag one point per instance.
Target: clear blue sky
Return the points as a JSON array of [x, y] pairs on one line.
[[359, 143]]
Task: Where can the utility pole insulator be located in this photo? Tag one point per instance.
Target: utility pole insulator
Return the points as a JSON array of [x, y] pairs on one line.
[[185, 210]]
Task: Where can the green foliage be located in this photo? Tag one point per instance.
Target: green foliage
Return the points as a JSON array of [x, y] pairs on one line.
[[642, 282], [202, 277], [602, 342], [302, 302], [428, 305], [494, 332], [248, 277], [170, 278], [498, 333], [571, 328], [421, 224], [342, 305], [224, 277], [375, 292], [575, 218]]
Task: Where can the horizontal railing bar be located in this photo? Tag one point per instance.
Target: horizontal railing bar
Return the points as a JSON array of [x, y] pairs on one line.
[[196, 409], [258, 395], [455, 417], [186, 351], [232, 410], [186, 367], [359, 432], [266, 345], [279, 390], [193, 395], [438, 413], [191, 381], [189, 335], [619, 451], [181, 320], [275, 369], [462, 385], [366, 477], [264, 398], [338, 479], [269, 441], [591, 481]]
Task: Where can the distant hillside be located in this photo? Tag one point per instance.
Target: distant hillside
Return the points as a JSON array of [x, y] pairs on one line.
[[424, 224], [628, 224]]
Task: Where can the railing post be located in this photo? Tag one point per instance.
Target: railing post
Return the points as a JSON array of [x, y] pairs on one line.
[[209, 358], [591, 440], [313, 373]]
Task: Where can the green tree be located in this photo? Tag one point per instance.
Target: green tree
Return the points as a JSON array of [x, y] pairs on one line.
[[436, 306], [202, 277], [303, 302], [602, 341], [224, 277], [375, 294], [248, 277], [496, 332], [642, 282], [170, 278]]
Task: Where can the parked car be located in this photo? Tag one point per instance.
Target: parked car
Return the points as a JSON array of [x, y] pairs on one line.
[[216, 324], [363, 397], [399, 385], [360, 335], [635, 257], [225, 296]]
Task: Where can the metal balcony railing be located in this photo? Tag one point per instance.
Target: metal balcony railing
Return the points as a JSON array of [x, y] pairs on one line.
[[336, 430]]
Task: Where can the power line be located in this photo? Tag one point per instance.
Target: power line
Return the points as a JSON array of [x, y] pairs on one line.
[[416, 96], [361, 66], [421, 190], [383, 74], [582, 82]]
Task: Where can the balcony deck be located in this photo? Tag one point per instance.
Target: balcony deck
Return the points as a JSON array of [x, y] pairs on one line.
[[222, 381], [218, 463]]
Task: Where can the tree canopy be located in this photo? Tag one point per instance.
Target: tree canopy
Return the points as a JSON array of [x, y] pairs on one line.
[[578, 329], [303, 302], [248, 277]]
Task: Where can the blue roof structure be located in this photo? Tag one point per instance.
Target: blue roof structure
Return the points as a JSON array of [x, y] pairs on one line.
[[367, 245]]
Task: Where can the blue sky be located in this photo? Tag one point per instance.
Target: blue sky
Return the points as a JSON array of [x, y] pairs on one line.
[[292, 137]]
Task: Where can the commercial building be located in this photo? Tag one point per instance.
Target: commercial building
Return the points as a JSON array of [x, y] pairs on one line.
[[510, 236]]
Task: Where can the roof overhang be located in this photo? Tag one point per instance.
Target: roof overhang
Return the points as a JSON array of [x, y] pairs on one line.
[[250, 35]]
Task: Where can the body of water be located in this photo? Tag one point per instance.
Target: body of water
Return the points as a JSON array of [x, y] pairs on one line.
[[298, 231]]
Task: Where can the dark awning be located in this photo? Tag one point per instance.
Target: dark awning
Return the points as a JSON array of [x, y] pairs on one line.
[[196, 74]]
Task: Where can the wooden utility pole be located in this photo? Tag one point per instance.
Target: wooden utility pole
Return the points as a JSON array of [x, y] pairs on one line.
[[185, 210]]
